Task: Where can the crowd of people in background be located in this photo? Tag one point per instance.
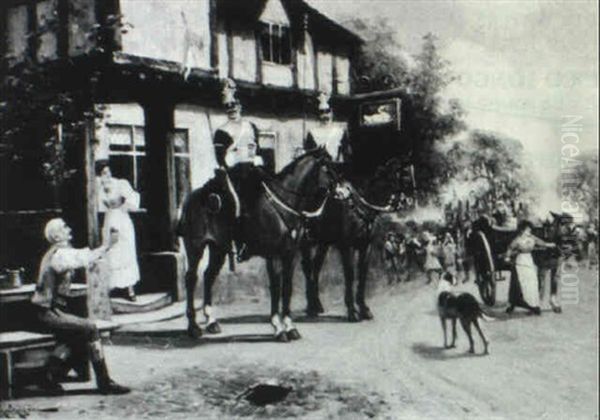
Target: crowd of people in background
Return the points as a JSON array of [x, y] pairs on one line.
[[435, 247]]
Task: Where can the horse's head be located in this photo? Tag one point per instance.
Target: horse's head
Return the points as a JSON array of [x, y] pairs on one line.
[[311, 175]]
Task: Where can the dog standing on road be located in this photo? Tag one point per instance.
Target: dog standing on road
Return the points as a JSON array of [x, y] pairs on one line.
[[464, 307]]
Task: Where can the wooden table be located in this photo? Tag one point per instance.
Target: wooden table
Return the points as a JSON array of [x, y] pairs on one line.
[[24, 293]]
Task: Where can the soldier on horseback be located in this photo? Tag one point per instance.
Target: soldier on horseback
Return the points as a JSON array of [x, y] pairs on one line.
[[332, 138], [238, 155]]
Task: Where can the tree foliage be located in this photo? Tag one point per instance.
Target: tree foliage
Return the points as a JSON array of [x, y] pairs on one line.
[[428, 119]]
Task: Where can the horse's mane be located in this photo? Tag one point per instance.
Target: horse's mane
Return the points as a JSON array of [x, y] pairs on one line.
[[291, 167]]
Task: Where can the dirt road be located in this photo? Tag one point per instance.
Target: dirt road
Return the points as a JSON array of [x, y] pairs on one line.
[[391, 367]]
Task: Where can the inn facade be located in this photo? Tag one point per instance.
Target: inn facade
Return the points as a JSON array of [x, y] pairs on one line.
[[153, 70]]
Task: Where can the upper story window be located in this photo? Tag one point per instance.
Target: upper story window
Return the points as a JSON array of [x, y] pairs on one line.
[[275, 43]]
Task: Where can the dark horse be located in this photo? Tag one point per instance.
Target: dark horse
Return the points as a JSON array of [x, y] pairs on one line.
[[488, 246], [347, 224], [278, 216]]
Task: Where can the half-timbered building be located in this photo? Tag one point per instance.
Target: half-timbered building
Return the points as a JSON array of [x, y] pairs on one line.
[[152, 70]]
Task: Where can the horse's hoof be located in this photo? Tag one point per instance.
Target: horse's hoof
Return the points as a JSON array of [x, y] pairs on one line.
[[557, 309], [293, 334], [282, 337], [312, 312], [213, 328], [353, 316], [319, 307], [365, 313], [194, 332]]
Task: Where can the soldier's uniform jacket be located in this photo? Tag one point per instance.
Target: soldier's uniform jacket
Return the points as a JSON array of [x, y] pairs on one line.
[[333, 138], [56, 271], [236, 142]]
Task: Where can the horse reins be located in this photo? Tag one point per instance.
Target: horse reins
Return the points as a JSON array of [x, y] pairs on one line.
[[272, 196]]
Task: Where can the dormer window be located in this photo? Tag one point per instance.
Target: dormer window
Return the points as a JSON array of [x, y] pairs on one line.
[[275, 43]]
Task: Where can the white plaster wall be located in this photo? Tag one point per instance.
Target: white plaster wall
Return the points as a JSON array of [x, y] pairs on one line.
[[223, 56], [17, 33], [196, 120], [325, 71], [244, 56], [277, 75], [306, 65], [159, 30], [342, 72]]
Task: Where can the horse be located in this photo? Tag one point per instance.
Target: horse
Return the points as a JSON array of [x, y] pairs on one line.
[[347, 224], [284, 203]]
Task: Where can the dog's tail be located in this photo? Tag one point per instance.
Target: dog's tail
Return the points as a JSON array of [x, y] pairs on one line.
[[486, 317]]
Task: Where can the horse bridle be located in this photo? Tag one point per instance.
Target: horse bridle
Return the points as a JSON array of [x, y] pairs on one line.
[[274, 198]]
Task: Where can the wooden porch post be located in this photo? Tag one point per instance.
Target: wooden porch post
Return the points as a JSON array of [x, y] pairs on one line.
[[163, 264], [160, 175]]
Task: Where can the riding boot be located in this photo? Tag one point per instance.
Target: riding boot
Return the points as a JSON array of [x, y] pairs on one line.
[[54, 374], [105, 384]]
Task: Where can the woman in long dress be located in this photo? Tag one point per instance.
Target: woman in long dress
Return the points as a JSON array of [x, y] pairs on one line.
[[432, 266], [117, 198], [524, 286]]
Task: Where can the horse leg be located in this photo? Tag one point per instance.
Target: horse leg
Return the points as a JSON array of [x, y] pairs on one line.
[[363, 269], [215, 263], [306, 262], [347, 264], [191, 278], [286, 297], [318, 261], [554, 290], [274, 272]]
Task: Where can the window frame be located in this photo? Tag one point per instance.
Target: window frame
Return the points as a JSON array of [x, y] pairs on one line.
[[182, 155], [133, 151], [275, 33]]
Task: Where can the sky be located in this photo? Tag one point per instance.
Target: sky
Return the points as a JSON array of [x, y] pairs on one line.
[[522, 65]]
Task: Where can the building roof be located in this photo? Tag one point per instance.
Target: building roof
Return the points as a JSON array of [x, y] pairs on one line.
[[319, 25]]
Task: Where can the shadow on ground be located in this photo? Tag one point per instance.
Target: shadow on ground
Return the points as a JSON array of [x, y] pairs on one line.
[[174, 339], [429, 352]]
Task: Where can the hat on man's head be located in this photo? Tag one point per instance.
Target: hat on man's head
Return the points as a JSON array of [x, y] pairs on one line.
[[323, 99], [228, 94]]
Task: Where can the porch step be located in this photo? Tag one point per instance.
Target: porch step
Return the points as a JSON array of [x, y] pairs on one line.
[[145, 303]]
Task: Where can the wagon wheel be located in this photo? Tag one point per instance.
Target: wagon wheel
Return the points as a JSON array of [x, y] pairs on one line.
[[487, 287]]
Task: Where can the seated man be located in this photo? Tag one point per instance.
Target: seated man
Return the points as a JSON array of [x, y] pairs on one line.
[[77, 335]]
